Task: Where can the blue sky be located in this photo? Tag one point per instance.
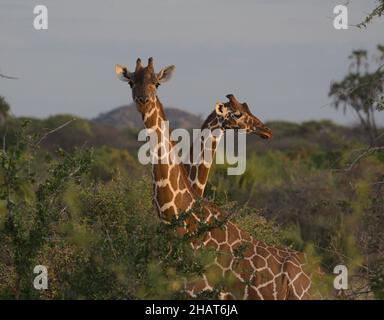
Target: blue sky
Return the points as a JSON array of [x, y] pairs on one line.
[[280, 56]]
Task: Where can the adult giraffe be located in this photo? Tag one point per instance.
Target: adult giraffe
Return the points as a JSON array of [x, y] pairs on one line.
[[256, 270], [229, 115]]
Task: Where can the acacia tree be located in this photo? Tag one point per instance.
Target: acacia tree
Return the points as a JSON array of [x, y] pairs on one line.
[[377, 12], [361, 90], [4, 110], [31, 204], [4, 106]]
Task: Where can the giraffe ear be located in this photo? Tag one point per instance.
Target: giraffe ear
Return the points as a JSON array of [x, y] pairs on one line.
[[165, 74], [122, 73], [221, 109]]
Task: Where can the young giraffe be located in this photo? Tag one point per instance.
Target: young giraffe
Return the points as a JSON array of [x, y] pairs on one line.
[[261, 271], [229, 115]]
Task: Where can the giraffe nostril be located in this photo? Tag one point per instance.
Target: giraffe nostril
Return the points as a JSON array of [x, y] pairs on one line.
[[146, 100]]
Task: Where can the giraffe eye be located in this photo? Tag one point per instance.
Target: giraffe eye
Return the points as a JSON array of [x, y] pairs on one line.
[[237, 115]]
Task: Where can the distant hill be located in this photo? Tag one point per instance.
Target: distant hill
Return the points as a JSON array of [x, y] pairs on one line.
[[129, 117]]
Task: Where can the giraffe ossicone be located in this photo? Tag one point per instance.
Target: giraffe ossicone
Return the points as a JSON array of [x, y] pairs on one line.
[[262, 271]]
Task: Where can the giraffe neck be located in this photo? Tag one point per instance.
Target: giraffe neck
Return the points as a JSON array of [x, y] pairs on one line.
[[198, 173], [172, 192], [262, 272]]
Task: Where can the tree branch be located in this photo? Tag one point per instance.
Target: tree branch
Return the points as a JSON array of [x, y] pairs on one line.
[[7, 77], [367, 152], [54, 130]]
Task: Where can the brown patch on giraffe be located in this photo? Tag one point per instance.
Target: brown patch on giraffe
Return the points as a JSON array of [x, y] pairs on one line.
[[236, 229], [258, 262], [252, 294], [160, 122], [273, 251], [191, 224], [224, 259], [281, 283], [219, 235], [168, 214], [164, 195], [192, 174], [245, 236], [238, 248], [225, 248], [160, 171], [205, 213], [211, 244], [233, 233], [262, 252], [249, 250], [173, 175], [291, 269], [188, 167], [262, 276], [274, 264], [162, 153], [267, 291], [214, 144], [202, 176], [180, 183], [298, 286], [243, 268], [181, 231], [187, 199], [152, 121], [183, 182], [179, 201], [261, 245], [298, 259]]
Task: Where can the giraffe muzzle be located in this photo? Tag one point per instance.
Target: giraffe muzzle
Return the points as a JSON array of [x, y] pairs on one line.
[[142, 100], [264, 133]]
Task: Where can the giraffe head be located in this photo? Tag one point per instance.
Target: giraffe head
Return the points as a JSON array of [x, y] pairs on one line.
[[236, 115], [144, 81]]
